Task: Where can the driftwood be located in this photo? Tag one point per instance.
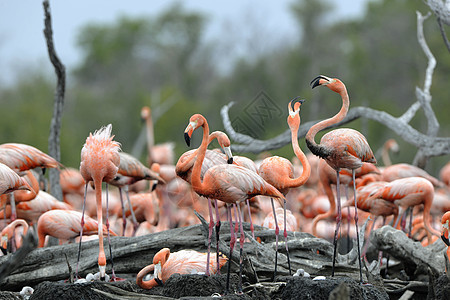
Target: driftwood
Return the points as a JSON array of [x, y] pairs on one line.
[[411, 253], [131, 254]]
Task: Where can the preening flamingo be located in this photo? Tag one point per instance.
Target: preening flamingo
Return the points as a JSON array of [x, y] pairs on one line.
[[65, 225], [340, 148], [10, 181], [182, 262], [279, 171], [8, 233], [408, 192], [99, 162], [229, 183]]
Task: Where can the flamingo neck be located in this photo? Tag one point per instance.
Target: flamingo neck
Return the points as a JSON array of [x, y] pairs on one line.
[[331, 212], [146, 284], [306, 172], [150, 137], [318, 149], [196, 170]]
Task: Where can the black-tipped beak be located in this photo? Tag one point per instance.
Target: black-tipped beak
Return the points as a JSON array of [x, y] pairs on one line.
[[446, 241], [316, 81], [3, 251], [159, 281], [230, 161], [295, 100], [187, 138], [154, 185]]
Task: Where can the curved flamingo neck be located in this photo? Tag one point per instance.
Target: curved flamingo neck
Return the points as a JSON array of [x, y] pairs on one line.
[[188, 162], [332, 211], [196, 170], [306, 172], [140, 278], [318, 149]]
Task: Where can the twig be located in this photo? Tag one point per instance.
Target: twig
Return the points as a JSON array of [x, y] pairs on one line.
[[444, 35], [55, 126]]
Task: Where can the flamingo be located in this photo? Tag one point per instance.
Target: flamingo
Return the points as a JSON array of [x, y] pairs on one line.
[[184, 167], [444, 174], [165, 264], [445, 235], [408, 192], [65, 225], [291, 222], [21, 157], [131, 170], [8, 233], [279, 171], [229, 183], [403, 170], [10, 181], [389, 145], [161, 153], [99, 162], [340, 148]]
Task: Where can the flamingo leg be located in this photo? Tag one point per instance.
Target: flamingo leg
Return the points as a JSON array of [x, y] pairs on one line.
[[277, 231], [241, 248], [113, 277], [133, 216], [124, 218], [217, 234], [232, 242], [252, 229], [210, 230], [81, 229], [338, 221], [12, 202], [410, 222], [348, 219], [285, 239], [366, 245], [356, 226]]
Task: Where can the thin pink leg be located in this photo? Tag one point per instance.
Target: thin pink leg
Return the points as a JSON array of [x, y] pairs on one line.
[[232, 242], [241, 247], [252, 229], [81, 231], [210, 230]]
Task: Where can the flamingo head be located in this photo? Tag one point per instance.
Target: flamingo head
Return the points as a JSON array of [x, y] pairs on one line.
[[145, 113], [4, 244], [225, 144], [294, 112], [159, 260], [333, 84], [445, 228], [195, 122]]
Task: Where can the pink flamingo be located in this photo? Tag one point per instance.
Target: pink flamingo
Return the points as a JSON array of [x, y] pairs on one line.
[[99, 162], [10, 181], [184, 168], [340, 148], [165, 264], [65, 225], [444, 174], [229, 183], [445, 235], [279, 171], [8, 233]]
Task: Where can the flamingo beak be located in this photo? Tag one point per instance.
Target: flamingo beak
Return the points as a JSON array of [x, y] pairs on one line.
[[229, 155], [292, 105], [157, 274], [316, 81], [444, 235], [4, 244], [188, 132]]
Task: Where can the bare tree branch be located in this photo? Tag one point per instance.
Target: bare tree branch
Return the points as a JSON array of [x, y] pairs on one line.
[[442, 11], [423, 95], [436, 146], [55, 126], [444, 35]]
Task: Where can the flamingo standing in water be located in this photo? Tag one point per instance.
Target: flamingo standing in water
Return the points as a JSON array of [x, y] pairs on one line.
[[279, 171], [340, 148], [182, 262], [65, 225], [99, 162], [229, 183]]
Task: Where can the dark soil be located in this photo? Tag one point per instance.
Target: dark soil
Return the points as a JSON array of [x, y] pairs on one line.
[[200, 286]]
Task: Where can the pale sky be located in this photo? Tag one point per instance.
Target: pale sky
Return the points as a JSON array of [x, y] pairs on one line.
[[21, 22]]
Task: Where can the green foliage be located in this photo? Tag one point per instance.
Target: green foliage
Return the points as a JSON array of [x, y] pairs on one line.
[[152, 61]]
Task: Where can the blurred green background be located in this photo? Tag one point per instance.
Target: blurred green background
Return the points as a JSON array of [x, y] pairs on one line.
[[152, 60]]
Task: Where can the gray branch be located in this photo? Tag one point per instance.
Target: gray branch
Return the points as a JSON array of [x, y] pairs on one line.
[[55, 126]]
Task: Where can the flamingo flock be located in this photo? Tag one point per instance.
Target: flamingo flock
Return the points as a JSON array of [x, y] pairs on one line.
[[301, 194]]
